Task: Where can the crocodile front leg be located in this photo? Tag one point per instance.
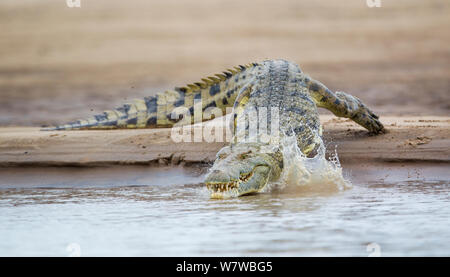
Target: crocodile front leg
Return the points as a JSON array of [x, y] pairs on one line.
[[342, 104], [349, 106]]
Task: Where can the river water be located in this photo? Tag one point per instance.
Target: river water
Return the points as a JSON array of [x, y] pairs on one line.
[[391, 210]]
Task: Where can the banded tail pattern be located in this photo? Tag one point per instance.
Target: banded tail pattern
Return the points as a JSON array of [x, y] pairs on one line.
[[219, 91]]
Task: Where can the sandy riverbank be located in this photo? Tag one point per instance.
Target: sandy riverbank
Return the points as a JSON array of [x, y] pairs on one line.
[[410, 139], [60, 64]]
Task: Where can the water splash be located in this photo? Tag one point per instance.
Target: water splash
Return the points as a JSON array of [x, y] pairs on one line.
[[317, 173]]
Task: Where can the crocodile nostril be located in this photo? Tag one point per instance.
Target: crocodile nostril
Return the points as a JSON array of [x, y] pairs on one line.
[[218, 176]]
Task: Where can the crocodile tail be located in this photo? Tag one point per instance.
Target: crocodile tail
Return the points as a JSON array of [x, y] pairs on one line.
[[130, 115], [218, 91]]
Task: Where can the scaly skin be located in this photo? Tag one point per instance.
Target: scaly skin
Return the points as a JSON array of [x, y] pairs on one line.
[[219, 91], [242, 169], [245, 167]]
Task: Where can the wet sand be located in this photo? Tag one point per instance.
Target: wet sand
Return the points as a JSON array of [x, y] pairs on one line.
[[409, 139]]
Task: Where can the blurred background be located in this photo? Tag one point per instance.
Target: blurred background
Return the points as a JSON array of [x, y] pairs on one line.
[[59, 63]]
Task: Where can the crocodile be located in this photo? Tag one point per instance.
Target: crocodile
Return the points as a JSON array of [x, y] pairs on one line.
[[244, 166]]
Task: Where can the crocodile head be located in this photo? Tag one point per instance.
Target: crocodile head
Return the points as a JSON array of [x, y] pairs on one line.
[[242, 169]]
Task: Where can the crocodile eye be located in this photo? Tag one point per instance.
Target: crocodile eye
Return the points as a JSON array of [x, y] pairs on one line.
[[245, 155]]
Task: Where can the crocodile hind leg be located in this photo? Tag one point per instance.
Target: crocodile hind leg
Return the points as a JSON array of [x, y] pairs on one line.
[[342, 104]]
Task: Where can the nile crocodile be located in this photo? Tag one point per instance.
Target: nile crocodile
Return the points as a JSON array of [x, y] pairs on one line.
[[243, 167]]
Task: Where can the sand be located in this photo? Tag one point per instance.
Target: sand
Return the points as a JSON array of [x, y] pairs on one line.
[[59, 64], [409, 139]]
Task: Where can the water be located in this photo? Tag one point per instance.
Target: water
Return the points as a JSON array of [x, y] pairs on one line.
[[318, 172], [140, 211]]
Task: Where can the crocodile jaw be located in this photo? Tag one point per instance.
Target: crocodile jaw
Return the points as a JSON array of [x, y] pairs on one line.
[[254, 181]]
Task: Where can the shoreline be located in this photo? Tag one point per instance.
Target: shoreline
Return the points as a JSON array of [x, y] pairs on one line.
[[424, 139]]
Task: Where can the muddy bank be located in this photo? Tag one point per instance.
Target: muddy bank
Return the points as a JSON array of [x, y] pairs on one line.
[[410, 139]]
